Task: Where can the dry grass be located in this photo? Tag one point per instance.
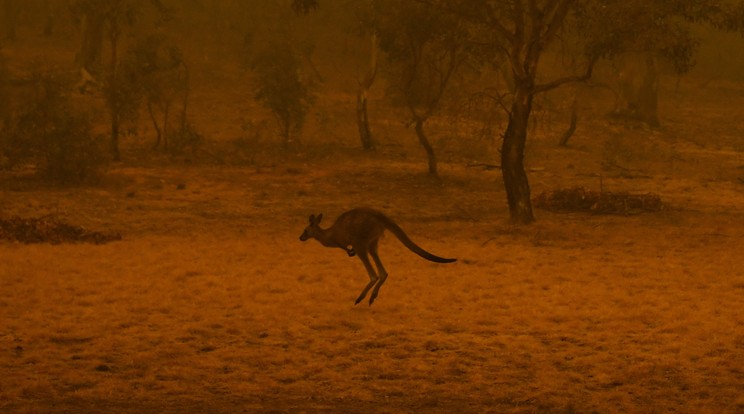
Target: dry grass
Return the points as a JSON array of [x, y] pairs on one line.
[[210, 303]]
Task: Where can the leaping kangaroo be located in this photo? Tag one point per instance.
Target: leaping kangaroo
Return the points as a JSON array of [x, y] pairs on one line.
[[357, 232]]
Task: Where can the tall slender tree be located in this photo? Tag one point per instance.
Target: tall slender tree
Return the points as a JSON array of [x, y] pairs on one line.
[[425, 47]]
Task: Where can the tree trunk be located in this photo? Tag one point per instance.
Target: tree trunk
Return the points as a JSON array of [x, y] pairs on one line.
[[115, 126], [427, 146], [512, 158], [154, 119], [114, 98], [572, 126], [365, 135], [10, 9], [92, 44], [166, 111]]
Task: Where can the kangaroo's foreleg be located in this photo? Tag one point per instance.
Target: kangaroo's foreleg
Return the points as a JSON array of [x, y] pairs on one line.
[[362, 253], [380, 271]]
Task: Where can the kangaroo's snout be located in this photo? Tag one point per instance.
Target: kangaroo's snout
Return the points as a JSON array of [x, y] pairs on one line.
[[303, 236]]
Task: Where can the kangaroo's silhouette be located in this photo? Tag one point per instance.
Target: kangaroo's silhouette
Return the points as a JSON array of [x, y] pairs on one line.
[[357, 232]]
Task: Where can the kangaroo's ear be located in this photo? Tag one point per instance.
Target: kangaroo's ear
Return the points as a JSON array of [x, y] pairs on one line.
[[312, 218], [317, 219]]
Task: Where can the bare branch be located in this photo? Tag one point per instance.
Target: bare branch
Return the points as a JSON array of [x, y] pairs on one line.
[[568, 79]]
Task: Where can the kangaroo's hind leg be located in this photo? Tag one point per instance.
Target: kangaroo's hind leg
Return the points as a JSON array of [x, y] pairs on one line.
[[362, 253], [380, 271]]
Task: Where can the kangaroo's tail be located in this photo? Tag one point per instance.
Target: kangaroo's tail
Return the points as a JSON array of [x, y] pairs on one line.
[[403, 237]]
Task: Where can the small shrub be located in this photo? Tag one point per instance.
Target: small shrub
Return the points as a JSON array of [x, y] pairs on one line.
[[579, 199], [185, 137], [51, 133], [50, 230]]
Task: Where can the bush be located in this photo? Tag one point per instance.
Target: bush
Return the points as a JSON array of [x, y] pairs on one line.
[[282, 89], [185, 137], [51, 133], [579, 199]]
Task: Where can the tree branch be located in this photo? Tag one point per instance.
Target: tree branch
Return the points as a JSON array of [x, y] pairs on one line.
[[568, 79], [557, 14]]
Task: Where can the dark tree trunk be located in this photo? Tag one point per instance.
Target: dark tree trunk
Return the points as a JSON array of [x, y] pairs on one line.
[[92, 44], [49, 10], [572, 125], [115, 103], [154, 119], [512, 158], [427, 146], [285, 125], [115, 126], [365, 135], [186, 93], [166, 111], [10, 9]]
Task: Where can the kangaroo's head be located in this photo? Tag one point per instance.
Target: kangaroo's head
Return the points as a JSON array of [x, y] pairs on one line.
[[313, 229]]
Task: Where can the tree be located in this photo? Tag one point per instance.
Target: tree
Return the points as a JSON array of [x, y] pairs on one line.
[[365, 84], [367, 27], [425, 48], [522, 31], [111, 19], [660, 31], [163, 76], [282, 89], [10, 18], [519, 31], [50, 131]]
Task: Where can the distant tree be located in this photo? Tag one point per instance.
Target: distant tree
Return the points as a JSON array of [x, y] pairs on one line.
[[111, 19], [282, 89], [367, 28], [425, 47], [163, 77], [365, 84], [640, 34], [4, 94], [10, 11]]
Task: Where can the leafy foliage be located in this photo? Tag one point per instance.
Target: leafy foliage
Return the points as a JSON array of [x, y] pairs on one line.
[[663, 28], [53, 134], [424, 47]]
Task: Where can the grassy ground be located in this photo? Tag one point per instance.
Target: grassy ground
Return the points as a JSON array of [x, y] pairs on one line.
[[210, 303]]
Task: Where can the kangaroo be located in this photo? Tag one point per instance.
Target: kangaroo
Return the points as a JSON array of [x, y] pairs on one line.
[[357, 232]]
